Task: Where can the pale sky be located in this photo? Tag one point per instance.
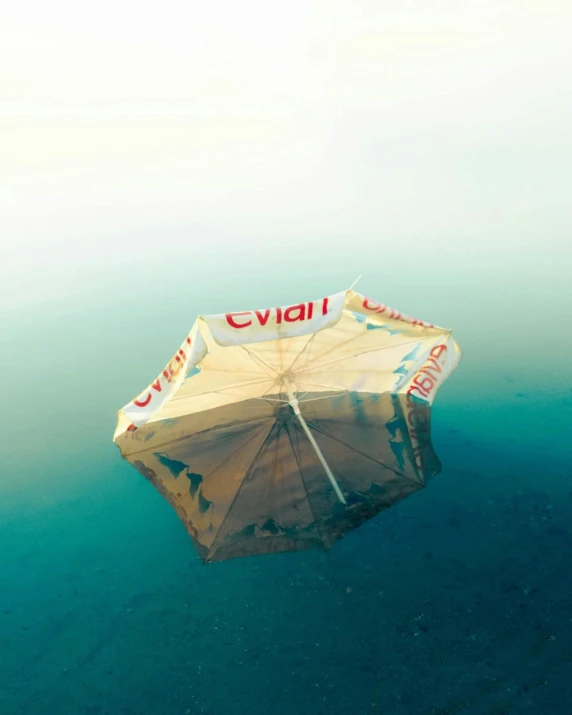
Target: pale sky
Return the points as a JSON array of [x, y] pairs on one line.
[[368, 118]]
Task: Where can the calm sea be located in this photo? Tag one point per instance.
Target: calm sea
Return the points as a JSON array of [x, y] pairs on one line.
[[458, 600]]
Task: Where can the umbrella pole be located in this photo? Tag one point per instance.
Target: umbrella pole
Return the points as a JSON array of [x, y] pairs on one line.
[[296, 408]]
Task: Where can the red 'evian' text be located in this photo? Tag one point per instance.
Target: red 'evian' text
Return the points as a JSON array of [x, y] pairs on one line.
[[171, 370], [392, 314], [292, 314], [418, 423], [423, 385], [425, 380]]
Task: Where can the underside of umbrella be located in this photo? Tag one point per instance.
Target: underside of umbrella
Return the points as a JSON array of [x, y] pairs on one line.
[[282, 429]]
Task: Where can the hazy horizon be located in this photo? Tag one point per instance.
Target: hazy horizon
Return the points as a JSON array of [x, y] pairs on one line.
[[158, 163]]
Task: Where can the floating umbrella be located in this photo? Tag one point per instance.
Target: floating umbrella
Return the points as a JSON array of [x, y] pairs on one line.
[[282, 429]]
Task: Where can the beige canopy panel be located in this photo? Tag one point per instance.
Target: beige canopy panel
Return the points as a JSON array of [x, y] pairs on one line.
[[281, 429]]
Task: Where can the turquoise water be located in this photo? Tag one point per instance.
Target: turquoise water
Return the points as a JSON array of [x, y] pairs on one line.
[[157, 164], [458, 600]]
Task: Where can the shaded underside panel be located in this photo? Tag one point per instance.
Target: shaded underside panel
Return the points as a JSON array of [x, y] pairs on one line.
[[251, 482]]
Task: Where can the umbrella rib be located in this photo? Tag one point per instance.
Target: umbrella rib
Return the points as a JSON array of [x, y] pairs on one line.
[[230, 456], [295, 453], [241, 421], [270, 399], [246, 477], [234, 371], [341, 390], [302, 351], [311, 368], [255, 357], [317, 399], [220, 389], [337, 346], [355, 337], [358, 451]]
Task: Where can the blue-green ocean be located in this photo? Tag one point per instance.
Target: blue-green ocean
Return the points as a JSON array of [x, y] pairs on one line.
[[456, 601]]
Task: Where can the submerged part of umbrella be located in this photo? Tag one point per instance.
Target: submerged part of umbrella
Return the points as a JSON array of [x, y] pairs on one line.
[[282, 429]]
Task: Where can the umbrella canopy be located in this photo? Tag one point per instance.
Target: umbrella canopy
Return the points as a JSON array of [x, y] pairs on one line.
[[282, 429]]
